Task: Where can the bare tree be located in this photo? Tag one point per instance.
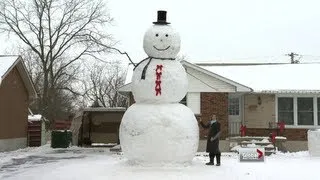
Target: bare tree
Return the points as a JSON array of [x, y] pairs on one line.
[[59, 33], [102, 84]]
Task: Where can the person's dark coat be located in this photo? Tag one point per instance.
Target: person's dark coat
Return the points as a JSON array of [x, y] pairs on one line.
[[213, 137]]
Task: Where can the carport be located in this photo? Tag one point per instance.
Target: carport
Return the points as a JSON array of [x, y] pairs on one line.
[[97, 126]]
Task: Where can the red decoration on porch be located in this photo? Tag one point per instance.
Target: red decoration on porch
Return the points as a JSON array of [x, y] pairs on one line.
[[281, 126], [243, 130], [158, 79], [273, 137]]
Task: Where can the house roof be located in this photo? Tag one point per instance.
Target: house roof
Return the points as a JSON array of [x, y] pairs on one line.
[[272, 78], [258, 77], [237, 86], [7, 63]]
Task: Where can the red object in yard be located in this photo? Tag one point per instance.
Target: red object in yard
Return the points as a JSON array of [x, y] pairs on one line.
[[34, 133], [243, 130], [281, 126], [62, 125]]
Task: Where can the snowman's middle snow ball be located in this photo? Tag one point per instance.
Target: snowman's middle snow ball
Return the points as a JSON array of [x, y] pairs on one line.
[[161, 41]]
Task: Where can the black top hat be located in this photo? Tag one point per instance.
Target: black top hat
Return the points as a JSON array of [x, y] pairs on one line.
[[162, 18]]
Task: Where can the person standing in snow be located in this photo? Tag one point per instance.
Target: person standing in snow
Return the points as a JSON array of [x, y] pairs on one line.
[[213, 140]]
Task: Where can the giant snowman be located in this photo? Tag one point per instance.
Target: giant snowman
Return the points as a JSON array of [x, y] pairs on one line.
[[157, 128]]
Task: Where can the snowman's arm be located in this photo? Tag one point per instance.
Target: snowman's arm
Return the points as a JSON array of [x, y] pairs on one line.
[[139, 63], [206, 126]]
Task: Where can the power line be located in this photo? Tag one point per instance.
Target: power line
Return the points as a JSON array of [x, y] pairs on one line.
[[292, 56]]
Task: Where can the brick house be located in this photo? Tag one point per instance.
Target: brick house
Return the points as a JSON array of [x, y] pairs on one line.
[[16, 93], [255, 95]]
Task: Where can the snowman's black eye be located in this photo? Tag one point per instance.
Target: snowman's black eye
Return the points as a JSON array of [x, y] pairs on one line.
[[157, 35], [167, 35]]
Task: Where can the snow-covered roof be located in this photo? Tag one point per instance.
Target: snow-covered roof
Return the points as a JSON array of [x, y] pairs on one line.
[[262, 78], [6, 63], [239, 87], [276, 78], [35, 117]]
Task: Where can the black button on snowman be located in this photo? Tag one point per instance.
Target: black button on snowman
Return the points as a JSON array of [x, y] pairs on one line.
[[157, 128]]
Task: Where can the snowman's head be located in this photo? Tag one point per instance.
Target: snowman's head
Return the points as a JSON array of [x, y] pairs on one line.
[[161, 40]]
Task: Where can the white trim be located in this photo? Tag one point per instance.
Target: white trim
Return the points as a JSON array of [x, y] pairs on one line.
[[242, 108], [302, 127], [315, 111], [295, 111], [194, 102]]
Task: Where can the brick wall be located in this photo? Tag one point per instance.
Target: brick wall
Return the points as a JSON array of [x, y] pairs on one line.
[[214, 103], [290, 134]]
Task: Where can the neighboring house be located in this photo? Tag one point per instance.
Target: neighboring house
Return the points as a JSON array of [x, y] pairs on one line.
[[255, 95], [16, 93]]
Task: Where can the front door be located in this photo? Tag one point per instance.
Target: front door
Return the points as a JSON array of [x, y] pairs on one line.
[[235, 116]]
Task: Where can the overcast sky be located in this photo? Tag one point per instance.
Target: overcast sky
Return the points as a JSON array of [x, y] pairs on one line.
[[223, 30]]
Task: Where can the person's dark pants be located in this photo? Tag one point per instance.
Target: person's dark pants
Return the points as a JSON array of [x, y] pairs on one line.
[[213, 155]]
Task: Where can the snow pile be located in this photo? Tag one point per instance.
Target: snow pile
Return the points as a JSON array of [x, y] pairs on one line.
[[236, 148], [35, 117], [280, 137], [99, 164], [314, 142], [265, 140]]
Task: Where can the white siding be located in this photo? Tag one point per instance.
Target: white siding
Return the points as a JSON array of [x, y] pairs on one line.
[[193, 102], [43, 133], [201, 82]]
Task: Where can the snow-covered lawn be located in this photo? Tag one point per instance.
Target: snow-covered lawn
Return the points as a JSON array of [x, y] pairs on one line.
[[100, 164]]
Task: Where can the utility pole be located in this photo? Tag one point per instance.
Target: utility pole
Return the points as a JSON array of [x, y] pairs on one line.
[[292, 55]]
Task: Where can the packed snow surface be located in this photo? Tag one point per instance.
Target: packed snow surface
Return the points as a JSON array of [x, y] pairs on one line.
[[159, 133], [35, 117], [44, 163]]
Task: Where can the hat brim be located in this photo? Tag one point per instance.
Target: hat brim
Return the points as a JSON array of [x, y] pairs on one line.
[[161, 22]]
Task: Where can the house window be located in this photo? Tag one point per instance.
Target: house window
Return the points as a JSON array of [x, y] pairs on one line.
[[233, 106], [305, 111], [299, 110], [318, 105], [285, 110]]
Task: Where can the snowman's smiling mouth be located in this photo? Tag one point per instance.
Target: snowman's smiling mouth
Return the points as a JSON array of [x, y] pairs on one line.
[[161, 49]]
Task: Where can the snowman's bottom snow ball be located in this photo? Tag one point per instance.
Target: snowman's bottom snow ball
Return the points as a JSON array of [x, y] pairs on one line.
[[159, 133]]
